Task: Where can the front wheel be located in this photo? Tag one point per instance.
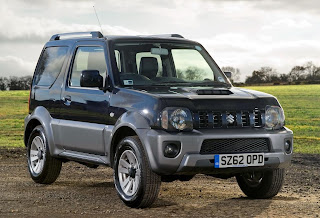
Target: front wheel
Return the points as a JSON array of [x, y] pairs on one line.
[[261, 184], [137, 185]]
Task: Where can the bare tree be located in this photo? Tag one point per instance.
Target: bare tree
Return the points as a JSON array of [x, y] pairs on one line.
[[297, 73], [270, 74], [312, 71]]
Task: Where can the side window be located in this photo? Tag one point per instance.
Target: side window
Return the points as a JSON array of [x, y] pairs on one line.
[[88, 58], [50, 65], [148, 54]]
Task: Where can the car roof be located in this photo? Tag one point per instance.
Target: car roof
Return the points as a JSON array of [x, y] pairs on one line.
[[66, 39]]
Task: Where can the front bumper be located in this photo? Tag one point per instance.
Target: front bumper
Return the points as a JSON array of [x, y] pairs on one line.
[[190, 161]]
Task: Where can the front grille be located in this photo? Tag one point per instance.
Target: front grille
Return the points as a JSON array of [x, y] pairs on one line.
[[229, 119], [229, 146]]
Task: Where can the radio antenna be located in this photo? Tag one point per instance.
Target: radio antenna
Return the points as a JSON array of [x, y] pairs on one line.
[[97, 18]]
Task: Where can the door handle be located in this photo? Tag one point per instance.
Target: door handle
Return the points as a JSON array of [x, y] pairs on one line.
[[67, 100]]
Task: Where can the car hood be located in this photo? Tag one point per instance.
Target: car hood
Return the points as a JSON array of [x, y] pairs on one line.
[[150, 101], [211, 99]]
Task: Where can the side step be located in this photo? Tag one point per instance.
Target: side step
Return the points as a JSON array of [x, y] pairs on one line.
[[84, 157]]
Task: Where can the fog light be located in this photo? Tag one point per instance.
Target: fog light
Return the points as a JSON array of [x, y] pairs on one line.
[[171, 149], [287, 146]]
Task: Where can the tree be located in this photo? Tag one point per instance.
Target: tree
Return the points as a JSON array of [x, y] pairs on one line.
[[194, 73], [19, 83], [297, 73], [180, 74], [14, 83], [235, 73], [284, 77], [3, 83], [191, 73], [312, 71], [270, 74], [26, 82], [263, 75], [257, 77]]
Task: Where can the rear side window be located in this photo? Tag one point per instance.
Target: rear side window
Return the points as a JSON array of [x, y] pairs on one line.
[[50, 65]]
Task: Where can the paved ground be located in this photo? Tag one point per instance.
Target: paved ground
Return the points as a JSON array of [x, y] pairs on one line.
[[85, 192]]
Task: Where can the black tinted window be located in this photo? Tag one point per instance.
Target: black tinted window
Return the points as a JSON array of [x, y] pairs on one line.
[[50, 65]]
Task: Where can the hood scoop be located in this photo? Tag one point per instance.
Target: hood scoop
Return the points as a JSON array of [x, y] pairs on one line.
[[214, 92]]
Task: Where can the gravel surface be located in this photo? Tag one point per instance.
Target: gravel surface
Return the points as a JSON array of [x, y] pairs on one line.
[[84, 192]]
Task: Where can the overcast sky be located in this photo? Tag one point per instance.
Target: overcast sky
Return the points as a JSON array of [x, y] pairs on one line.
[[244, 34]]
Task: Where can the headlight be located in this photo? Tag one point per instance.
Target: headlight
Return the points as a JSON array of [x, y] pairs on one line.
[[274, 117], [176, 119]]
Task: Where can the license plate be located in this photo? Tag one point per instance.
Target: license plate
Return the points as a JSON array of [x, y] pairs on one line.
[[238, 160]]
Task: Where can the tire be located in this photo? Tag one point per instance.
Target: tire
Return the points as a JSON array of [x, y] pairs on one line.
[[261, 185], [136, 184], [43, 168]]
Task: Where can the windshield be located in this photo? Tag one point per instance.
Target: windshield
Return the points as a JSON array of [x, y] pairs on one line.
[[166, 64]]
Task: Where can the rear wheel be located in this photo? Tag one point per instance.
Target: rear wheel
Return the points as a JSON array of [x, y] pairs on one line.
[[42, 167], [137, 185], [261, 184]]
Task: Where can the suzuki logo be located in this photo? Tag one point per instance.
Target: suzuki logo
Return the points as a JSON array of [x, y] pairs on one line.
[[230, 118]]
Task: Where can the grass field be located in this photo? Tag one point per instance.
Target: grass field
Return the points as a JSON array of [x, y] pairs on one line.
[[13, 109], [300, 102]]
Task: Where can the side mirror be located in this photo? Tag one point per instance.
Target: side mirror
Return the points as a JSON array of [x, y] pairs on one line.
[[91, 78], [228, 74]]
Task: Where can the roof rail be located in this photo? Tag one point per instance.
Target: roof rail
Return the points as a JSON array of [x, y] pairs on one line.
[[168, 35], [94, 34]]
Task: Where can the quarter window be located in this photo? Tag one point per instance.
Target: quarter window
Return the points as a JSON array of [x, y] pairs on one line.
[[50, 65], [88, 58]]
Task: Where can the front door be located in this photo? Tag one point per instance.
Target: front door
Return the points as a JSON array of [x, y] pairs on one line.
[[84, 109]]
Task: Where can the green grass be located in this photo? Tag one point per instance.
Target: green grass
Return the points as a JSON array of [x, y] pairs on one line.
[[300, 102], [13, 109]]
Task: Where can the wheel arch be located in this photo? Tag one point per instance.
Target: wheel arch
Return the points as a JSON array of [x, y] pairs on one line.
[[127, 125], [29, 128], [40, 116], [121, 133]]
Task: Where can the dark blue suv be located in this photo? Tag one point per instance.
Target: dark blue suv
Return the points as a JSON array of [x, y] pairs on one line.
[[155, 108]]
